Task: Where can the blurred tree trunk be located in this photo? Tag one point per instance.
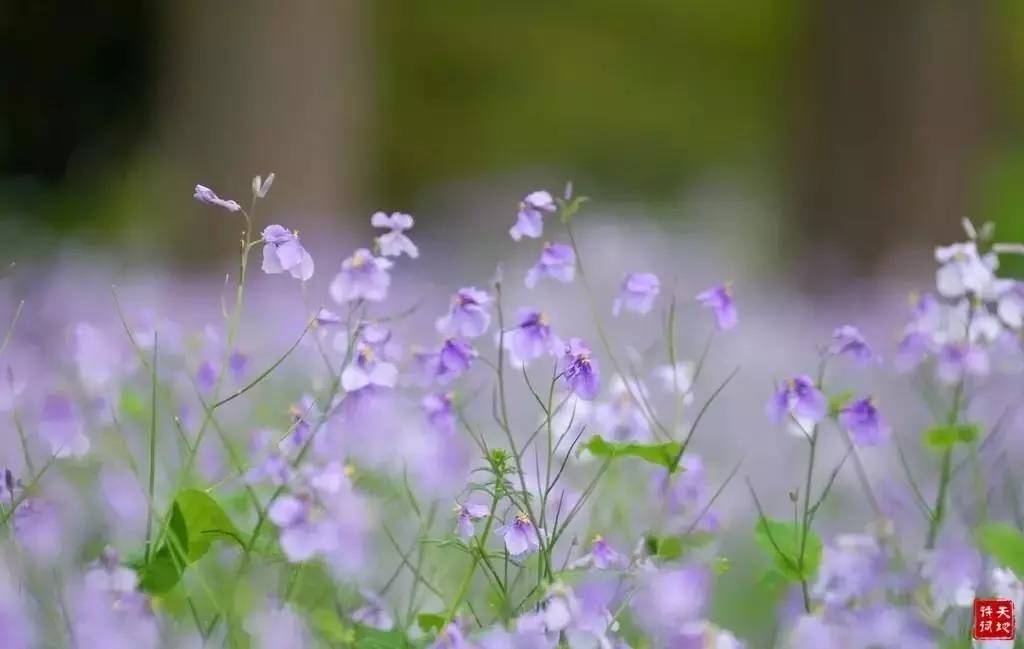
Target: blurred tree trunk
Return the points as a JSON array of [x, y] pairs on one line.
[[264, 86], [888, 128]]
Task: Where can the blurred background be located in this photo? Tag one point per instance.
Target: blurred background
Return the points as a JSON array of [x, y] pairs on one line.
[[831, 135]]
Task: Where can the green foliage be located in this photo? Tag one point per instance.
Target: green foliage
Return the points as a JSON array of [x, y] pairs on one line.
[[430, 622], [1004, 543], [782, 541], [663, 453], [941, 438], [675, 546], [330, 626], [195, 522], [837, 402]]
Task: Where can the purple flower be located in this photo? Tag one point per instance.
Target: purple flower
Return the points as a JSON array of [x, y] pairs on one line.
[[864, 423], [913, 349], [468, 316], [956, 360], [276, 627], [602, 556], [719, 300], [557, 261], [445, 364], [531, 338], [530, 219], [800, 398], [638, 293], [953, 570], [621, 417], [440, 411], [451, 637], [98, 360], [374, 613], [848, 341], [682, 490], [465, 515], [851, 567], [14, 618], [273, 466], [580, 370], [362, 277], [394, 242], [301, 535], [208, 196], [669, 599], [61, 427], [282, 252], [521, 537], [367, 370], [38, 528]]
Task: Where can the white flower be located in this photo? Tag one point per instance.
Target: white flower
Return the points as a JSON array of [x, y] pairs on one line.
[[963, 270], [394, 242]]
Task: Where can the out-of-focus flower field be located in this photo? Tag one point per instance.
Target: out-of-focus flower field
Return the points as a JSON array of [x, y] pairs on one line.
[[600, 436]]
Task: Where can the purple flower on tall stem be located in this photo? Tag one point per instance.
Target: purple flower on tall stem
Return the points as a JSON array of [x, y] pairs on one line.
[[282, 252], [531, 338], [521, 537], [362, 277], [206, 195], [865, 424], [638, 292], [914, 348], [848, 341], [557, 261], [530, 219], [61, 426], [367, 370], [446, 363], [440, 411], [719, 299], [394, 242], [579, 370], [800, 398], [465, 515], [602, 556], [468, 315], [957, 360]]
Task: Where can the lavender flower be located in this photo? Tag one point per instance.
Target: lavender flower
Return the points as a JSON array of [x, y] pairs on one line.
[[602, 556], [1011, 306], [800, 398], [958, 360], [440, 411], [276, 627], [851, 567], [719, 299], [914, 348], [848, 341], [530, 219], [208, 196], [579, 370], [468, 315], [451, 637], [465, 515], [61, 427], [963, 270], [374, 613], [953, 571], [622, 418], [445, 364], [557, 261], [362, 277], [367, 370], [638, 292], [394, 242], [864, 423], [531, 338], [521, 537], [282, 252], [669, 599], [302, 535]]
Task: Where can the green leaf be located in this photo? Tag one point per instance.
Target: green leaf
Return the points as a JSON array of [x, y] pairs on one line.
[[430, 622], [133, 405], [782, 541], [1004, 543], [663, 454], [369, 638], [206, 521], [942, 438], [837, 402], [331, 627], [163, 572], [673, 547]]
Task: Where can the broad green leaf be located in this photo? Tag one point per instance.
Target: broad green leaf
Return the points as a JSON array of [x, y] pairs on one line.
[[165, 566], [673, 547], [430, 622], [663, 454], [1004, 543], [782, 541], [331, 627], [369, 638], [942, 438], [206, 522], [837, 402]]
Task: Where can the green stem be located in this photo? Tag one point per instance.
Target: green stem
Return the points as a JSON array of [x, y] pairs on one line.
[[804, 528], [152, 452], [945, 473], [467, 580]]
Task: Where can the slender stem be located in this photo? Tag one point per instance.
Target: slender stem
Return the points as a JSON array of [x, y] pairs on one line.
[[945, 473], [152, 451], [464, 586], [806, 517]]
